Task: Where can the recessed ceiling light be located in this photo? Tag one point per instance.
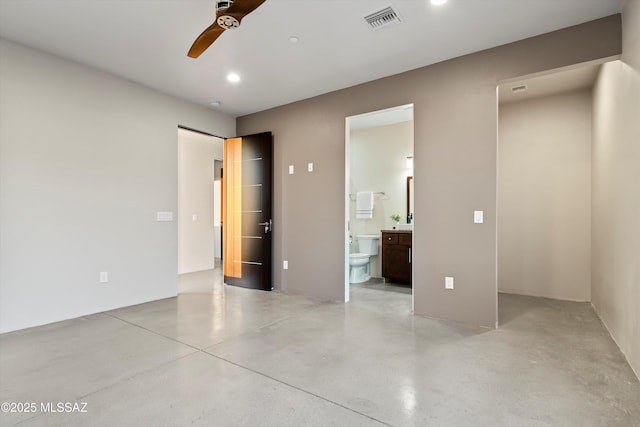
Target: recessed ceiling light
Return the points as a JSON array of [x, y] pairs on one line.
[[294, 39], [233, 77], [438, 2]]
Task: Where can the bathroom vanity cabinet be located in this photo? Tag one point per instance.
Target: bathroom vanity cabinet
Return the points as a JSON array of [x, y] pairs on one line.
[[396, 255]]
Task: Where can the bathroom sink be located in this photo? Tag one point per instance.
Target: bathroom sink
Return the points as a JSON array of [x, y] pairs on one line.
[[404, 227]]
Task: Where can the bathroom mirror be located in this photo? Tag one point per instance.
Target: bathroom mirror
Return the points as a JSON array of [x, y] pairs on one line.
[[409, 196]]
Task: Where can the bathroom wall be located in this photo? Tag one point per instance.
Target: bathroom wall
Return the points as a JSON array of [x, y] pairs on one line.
[[455, 139], [544, 196], [196, 201], [378, 163]]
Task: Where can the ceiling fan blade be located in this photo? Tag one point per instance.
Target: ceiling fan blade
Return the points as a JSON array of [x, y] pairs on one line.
[[243, 7], [238, 10], [205, 40]]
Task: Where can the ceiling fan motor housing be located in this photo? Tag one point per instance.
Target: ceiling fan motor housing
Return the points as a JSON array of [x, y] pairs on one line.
[[225, 21], [223, 5], [228, 22]]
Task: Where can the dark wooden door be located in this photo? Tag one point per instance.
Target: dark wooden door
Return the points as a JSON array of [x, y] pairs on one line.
[[247, 216]]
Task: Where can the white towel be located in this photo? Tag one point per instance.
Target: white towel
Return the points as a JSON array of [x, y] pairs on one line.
[[364, 215], [364, 204]]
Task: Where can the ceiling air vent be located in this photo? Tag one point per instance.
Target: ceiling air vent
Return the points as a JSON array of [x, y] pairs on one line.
[[383, 18], [517, 89]]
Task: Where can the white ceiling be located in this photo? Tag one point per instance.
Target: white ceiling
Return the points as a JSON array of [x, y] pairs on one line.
[[147, 41]]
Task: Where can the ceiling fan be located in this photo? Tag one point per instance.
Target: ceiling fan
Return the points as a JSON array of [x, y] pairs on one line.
[[229, 13]]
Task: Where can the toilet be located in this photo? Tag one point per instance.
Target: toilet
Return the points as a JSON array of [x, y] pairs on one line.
[[360, 262]]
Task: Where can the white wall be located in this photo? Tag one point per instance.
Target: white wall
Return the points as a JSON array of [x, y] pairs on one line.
[[544, 197], [196, 226], [616, 191], [217, 210], [378, 163], [86, 161]]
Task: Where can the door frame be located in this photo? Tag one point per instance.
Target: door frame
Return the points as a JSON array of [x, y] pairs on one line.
[[178, 209], [347, 201]]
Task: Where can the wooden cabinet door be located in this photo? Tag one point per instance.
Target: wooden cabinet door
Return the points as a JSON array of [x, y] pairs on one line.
[[396, 256], [395, 263]]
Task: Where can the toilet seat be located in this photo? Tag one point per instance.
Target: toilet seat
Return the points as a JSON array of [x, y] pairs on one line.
[[358, 259]]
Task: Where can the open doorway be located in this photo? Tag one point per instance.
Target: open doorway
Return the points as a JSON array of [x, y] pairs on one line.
[[378, 204], [199, 211], [544, 178]]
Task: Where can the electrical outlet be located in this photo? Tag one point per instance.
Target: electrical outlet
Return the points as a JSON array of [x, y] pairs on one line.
[[448, 282], [104, 276], [310, 167], [285, 265]]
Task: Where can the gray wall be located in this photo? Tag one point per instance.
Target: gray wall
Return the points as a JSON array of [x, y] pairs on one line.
[[615, 290], [455, 113], [544, 196], [86, 161]]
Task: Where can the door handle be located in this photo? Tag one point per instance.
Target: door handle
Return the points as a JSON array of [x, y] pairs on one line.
[[267, 225]]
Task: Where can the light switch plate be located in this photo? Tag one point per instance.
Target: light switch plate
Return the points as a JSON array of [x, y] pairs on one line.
[[285, 265], [104, 277], [291, 169], [448, 282], [478, 217], [164, 216]]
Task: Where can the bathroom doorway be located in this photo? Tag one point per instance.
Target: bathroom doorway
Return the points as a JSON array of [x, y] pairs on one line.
[[379, 215]]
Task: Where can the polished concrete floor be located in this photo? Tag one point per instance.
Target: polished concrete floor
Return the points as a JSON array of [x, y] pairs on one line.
[[224, 356]]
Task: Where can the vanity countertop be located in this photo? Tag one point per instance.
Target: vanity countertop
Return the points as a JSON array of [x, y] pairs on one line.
[[396, 231]]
